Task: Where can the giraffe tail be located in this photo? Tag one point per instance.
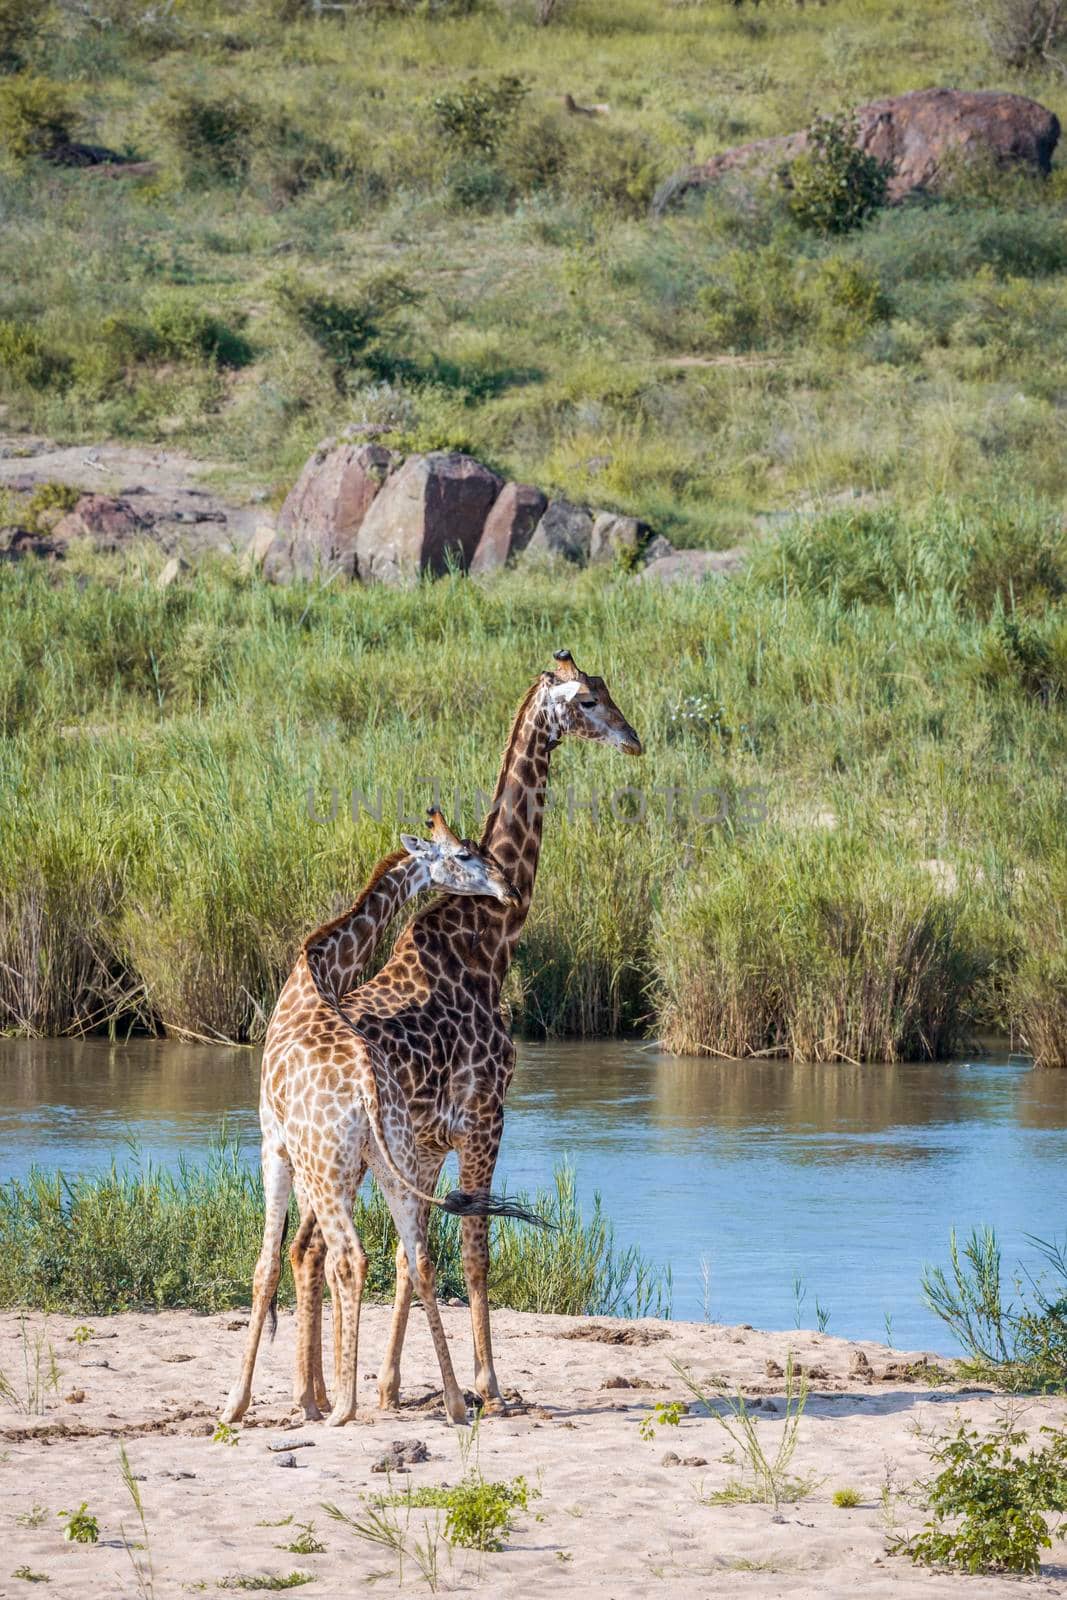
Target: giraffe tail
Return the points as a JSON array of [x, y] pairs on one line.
[[480, 1203], [272, 1309]]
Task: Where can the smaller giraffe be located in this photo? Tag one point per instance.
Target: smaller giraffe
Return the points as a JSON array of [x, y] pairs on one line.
[[305, 1022]]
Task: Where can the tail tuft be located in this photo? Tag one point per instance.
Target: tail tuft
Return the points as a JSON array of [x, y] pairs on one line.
[[481, 1203]]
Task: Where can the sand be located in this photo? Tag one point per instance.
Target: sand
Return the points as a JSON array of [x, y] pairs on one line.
[[612, 1519]]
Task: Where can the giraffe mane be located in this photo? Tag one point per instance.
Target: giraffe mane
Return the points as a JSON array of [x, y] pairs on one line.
[[385, 866], [505, 763]]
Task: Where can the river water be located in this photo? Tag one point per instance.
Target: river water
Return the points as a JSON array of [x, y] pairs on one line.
[[742, 1176]]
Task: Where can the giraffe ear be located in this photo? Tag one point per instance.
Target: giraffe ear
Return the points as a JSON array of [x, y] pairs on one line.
[[565, 691], [414, 846], [441, 832], [566, 666]]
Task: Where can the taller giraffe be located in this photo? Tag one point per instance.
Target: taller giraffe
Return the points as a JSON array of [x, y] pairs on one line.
[[449, 1046], [307, 1041]]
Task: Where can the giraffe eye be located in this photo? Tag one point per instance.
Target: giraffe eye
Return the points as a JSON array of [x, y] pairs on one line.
[[463, 855], [587, 705]]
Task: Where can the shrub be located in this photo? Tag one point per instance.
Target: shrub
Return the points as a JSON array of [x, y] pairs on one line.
[[26, 359], [847, 298], [834, 186], [1019, 1345], [478, 186], [185, 331], [474, 119], [36, 116], [213, 136], [21, 24], [612, 168], [349, 332], [753, 299], [1022, 33], [995, 1496]]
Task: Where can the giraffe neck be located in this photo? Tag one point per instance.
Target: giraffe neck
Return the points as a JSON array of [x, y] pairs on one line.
[[515, 822], [338, 953]]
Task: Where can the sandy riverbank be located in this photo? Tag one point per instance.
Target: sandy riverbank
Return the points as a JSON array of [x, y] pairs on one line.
[[612, 1520]]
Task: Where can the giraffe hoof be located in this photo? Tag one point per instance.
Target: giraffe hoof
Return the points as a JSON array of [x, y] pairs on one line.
[[339, 1416], [493, 1405], [312, 1411], [389, 1402]]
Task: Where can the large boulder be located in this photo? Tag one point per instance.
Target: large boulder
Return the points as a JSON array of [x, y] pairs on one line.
[[509, 526], [109, 522], [565, 530], [692, 566], [16, 543], [324, 511], [430, 512], [922, 136]]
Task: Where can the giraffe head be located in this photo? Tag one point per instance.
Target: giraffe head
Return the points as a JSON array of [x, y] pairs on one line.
[[580, 704], [456, 864]]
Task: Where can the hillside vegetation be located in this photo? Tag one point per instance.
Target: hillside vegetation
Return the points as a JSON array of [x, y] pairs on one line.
[[394, 219]]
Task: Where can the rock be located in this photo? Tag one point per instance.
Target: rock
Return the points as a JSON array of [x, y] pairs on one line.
[[773, 1369], [75, 1397], [177, 1355], [617, 538], [277, 1445], [401, 1454], [671, 1459], [110, 523], [657, 548], [258, 547], [324, 511], [431, 511], [859, 1367], [692, 566], [170, 574], [619, 1382], [565, 530], [15, 543], [923, 135], [694, 1461], [509, 526], [288, 1460]]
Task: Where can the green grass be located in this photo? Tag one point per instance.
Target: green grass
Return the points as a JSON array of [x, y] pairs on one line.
[[143, 1237], [879, 707]]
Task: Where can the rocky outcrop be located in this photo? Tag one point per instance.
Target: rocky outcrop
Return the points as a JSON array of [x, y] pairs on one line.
[[109, 522], [325, 509], [509, 526], [617, 538], [430, 512], [692, 566], [921, 136], [15, 543], [565, 530]]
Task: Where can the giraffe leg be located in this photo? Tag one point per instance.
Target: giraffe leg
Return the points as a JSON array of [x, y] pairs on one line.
[[405, 1211], [389, 1373], [348, 1272], [307, 1254], [277, 1183], [475, 1174]]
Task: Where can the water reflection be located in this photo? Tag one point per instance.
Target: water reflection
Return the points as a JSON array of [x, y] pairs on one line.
[[848, 1176]]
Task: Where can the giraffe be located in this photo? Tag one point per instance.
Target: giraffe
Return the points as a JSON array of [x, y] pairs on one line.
[[329, 964], [434, 1013]]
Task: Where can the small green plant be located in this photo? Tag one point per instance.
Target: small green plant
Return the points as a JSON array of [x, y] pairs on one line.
[[144, 1575], [1020, 1344], [28, 1575], [846, 1498], [995, 1498], [305, 1543], [800, 1294], [385, 1524], [82, 1333], [27, 359], [36, 1517], [36, 116], [834, 186], [184, 330], [768, 1481], [666, 1414], [887, 1322], [81, 1526], [268, 1580], [822, 1316], [40, 1374], [474, 119], [349, 331], [225, 1434]]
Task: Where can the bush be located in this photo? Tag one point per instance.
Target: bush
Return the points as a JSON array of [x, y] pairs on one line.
[[186, 332], [36, 116], [474, 119], [834, 186], [21, 25], [753, 299], [213, 136], [995, 1496], [611, 168], [847, 298], [1022, 33], [27, 360], [478, 186], [349, 332]]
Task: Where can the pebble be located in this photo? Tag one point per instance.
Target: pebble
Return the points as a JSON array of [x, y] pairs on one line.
[[290, 1444], [288, 1460]]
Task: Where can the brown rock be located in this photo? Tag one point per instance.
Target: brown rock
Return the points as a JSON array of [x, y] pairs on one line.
[[15, 543], [509, 526], [773, 1369], [692, 566], [325, 509], [109, 522], [431, 511], [918, 134], [859, 1367]]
